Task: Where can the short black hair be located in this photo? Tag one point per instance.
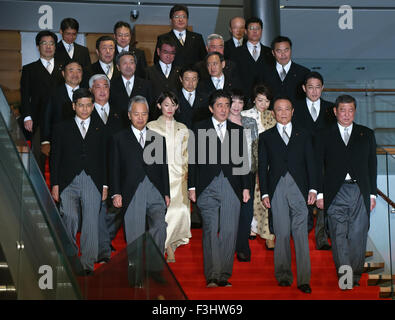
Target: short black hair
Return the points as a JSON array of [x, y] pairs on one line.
[[237, 94], [215, 53], [104, 38], [254, 20], [70, 62], [281, 97], [345, 98], [125, 53], [313, 75], [121, 24], [82, 93], [166, 39], [167, 94], [69, 23], [215, 95], [262, 89], [178, 7], [189, 68], [45, 33], [279, 39]]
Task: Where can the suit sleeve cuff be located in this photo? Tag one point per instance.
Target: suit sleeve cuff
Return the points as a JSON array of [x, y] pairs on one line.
[[190, 189], [313, 190], [373, 196], [265, 196], [27, 118], [320, 196]]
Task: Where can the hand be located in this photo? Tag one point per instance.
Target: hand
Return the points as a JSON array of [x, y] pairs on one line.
[[266, 202], [372, 203], [29, 125], [55, 193], [320, 203], [246, 195], [104, 194], [117, 201], [167, 200], [192, 195], [45, 149], [311, 198]]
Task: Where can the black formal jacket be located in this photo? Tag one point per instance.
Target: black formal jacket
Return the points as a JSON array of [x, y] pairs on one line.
[[70, 153], [36, 87], [97, 69], [119, 96], [292, 84], [201, 174], [58, 108], [230, 48], [275, 159], [191, 52], [128, 168], [80, 54], [207, 85], [115, 122], [229, 69], [249, 69], [188, 114], [336, 159], [159, 81], [141, 63]]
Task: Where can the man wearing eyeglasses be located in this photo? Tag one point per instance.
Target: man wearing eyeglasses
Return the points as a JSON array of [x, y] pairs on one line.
[[252, 55], [38, 79], [190, 45]]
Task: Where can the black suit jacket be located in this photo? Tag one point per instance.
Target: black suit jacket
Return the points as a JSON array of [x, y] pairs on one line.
[[230, 69], [58, 109], [70, 153], [201, 174], [119, 96], [81, 54], [336, 159], [36, 87], [141, 63], [249, 69], [292, 84], [207, 85], [128, 168], [115, 122], [97, 69], [275, 159], [188, 114], [191, 52], [230, 48]]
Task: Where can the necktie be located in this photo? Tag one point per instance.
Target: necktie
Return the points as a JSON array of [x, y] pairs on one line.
[[221, 136], [180, 38], [313, 112], [83, 129], [167, 71], [70, 49], [141, 141], [285, 136], [128, 88], [255, 53], [239, 43], [283, 74], [346, 136], [217, 84], [104, 115], [108, 72], [48, 67], [190, 99]]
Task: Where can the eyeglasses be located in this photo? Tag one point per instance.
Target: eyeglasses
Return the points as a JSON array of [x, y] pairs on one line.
[[254, 28], [180, 17], [47, 43], [168, 52]]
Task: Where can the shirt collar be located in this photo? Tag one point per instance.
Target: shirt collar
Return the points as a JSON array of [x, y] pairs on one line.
[[163, 65], [317, 103], [251, 46], [186, 93], [131, 80], [279, 67], [236, 42], [216, 122], [288, 127], [137, 131], [99, 106], [177, 33], [45, 62], [120, 49], [86, 121], [341, 128], [66, 45]]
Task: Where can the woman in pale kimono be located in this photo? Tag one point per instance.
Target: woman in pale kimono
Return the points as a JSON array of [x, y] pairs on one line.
[[178, 216], [265, 120]]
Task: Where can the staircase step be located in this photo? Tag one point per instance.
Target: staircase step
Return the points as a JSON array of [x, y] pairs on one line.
[[371, 266], [387, 292], [368, 254], [379, 279]]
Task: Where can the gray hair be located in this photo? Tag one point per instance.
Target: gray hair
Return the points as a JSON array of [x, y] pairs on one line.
[[98, 77], [214, 36], [137, 99]]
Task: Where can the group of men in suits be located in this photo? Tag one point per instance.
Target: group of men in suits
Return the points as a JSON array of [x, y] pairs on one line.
[[296, 158]]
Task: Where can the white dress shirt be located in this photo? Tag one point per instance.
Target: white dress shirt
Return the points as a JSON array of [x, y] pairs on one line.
[[86, 123], [279, 67], [163, 67], [317, 105], [221, 81], [66, 46], [45, 63], [250, 47], [137, 133], [186, 95], [120, 49], [223, 128], [104, 67], [131, 82], [183, 34], [236, 42], [106, 108], [71, 90]]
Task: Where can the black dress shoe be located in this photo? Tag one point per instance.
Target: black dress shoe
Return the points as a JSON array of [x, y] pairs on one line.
[[325, 247], [196, 225], [284, 283], [212, 283], [224, 283], [85, 273], [157, 277], [356, 284], [252, 237], [305, 288], [112, 248], [242, 257]]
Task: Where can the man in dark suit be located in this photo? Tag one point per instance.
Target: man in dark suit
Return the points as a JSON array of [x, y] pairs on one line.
[[215, 43], [123, 36], [164, 76], [348, 187], [67, 49], [252, 56], [78, 174], [60, 106], [38, 80], [193, 103], [110, 218], [128, 85], [215, 65], [314, 113], [190, 45], [288, 179], [284, 77], [105, 50], [218, 186], [237, 30]]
